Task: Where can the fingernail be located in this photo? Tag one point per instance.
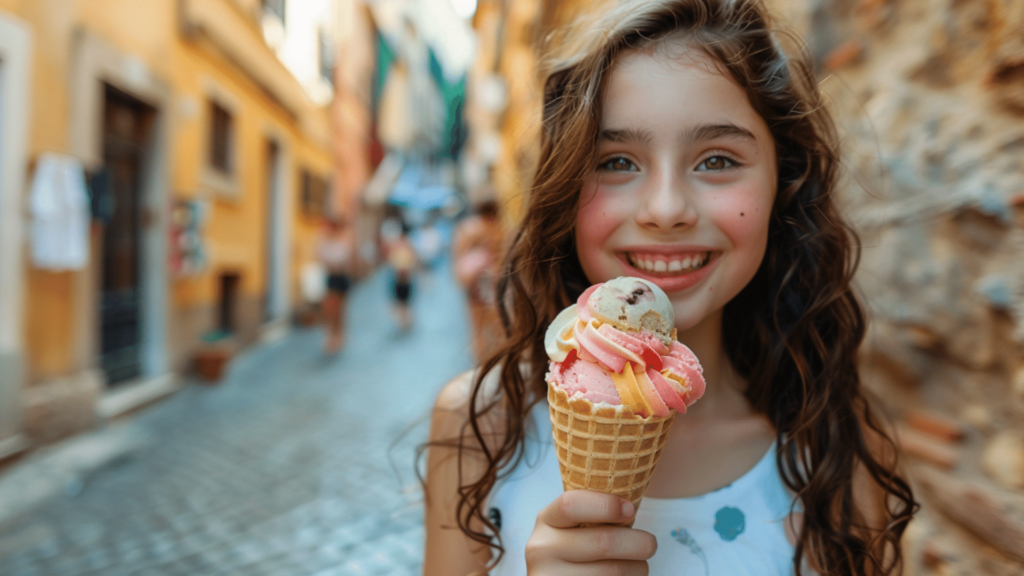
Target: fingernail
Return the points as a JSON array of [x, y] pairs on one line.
[[627, 509]]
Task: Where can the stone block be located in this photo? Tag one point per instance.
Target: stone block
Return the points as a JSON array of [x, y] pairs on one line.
[[897, 354], [926, 448], [974, 343], [978, 416], [61, 407], [1003, 459], [988, 514], [1006, 80], [978, 232], [935, 424], [845, 54]]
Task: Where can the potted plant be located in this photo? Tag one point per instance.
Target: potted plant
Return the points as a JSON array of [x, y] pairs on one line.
[[212, 357]]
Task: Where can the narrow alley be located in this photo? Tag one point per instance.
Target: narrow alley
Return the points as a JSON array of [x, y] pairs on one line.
[[295, 464]]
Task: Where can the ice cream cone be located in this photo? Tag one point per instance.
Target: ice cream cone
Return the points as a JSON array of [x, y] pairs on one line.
[[605, 448]]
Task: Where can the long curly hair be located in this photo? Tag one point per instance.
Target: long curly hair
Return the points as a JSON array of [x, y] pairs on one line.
[[793, 332]]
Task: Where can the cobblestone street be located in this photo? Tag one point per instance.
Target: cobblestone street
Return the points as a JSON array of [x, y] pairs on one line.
[[295, 464]]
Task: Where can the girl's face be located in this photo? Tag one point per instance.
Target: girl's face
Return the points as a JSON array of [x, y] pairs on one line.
[[683, 188]]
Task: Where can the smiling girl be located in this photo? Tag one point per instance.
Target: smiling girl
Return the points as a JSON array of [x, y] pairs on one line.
[[682, 146]]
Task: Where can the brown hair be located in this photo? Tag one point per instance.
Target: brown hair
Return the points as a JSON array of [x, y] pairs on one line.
[[792, 332]]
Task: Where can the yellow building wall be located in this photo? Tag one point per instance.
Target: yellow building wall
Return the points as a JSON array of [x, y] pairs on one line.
[[50, 326], [527, 22], [305, 229], [235, 231]]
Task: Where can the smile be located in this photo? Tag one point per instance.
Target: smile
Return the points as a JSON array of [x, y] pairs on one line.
[[668, 265], [669, 270]]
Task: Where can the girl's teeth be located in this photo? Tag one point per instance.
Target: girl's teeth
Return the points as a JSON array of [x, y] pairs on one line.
[[688, 264]]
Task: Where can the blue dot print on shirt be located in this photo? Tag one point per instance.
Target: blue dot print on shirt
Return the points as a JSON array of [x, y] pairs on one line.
[[729, 523]]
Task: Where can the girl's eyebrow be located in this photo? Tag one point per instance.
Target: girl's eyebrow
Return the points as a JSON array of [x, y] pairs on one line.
[[627, 135], [713, 131], [694, 134]]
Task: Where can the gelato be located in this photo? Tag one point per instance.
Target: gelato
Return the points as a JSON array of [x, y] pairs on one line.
[[616, 375], [617, 345]]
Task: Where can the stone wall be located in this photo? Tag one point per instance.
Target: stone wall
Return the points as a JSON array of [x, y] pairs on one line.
[[930, 100]]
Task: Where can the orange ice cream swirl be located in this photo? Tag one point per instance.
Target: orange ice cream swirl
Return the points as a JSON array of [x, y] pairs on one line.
[[651, 374]]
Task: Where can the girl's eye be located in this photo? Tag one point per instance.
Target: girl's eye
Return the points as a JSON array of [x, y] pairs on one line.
[[617, 164], [716, 164]]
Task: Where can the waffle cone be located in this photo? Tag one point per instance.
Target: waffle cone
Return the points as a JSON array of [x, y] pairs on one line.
[[605, 448]]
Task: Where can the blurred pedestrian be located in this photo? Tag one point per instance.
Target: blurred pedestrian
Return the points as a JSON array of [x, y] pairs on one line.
[[429, 244], [476, 251], [391, 227], [334, 252], [403, 263]]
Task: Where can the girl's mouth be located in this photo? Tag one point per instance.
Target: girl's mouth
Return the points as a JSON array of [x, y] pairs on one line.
[[664, 265], [671, 272]]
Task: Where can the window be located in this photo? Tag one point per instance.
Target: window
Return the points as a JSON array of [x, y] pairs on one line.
[[326, 49], [221, 141], [315, 194], [275, 7]]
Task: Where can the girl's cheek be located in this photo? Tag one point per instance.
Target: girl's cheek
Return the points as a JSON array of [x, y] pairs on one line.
[[744, 216], [744, 219], [598, 215]]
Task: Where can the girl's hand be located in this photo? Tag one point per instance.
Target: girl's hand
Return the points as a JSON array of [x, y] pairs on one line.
[[558, 546]]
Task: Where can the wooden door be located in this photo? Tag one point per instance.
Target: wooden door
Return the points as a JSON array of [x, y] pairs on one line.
[[127, 126]]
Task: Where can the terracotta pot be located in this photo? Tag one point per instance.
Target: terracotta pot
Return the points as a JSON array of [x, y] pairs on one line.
[[210, 363]]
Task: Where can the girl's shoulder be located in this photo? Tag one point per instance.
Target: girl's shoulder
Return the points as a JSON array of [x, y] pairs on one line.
[[451, 412], [456, 394]]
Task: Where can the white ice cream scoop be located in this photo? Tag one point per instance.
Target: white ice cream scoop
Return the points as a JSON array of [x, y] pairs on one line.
[[631, 304]]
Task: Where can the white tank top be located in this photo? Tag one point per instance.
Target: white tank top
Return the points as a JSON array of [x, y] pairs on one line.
[[734, 531]]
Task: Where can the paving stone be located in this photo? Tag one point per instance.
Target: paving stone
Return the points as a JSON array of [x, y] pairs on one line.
[[294, 465]]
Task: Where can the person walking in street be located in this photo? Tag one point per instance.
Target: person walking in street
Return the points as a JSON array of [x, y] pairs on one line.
[[334, 252], [401, 258], [476, 251], [686, 143]]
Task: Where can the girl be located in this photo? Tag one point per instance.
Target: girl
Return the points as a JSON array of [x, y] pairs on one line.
[[681, 145]]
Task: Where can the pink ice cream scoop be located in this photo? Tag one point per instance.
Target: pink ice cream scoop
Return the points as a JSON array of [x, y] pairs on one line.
[[617, 345]]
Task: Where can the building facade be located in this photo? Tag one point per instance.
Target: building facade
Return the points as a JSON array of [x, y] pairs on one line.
[[203, 169]]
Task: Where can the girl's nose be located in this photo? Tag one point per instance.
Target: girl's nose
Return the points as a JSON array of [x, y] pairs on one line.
[[667, 204]]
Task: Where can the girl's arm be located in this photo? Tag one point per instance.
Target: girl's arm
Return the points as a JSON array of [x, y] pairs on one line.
[[448, 551]]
